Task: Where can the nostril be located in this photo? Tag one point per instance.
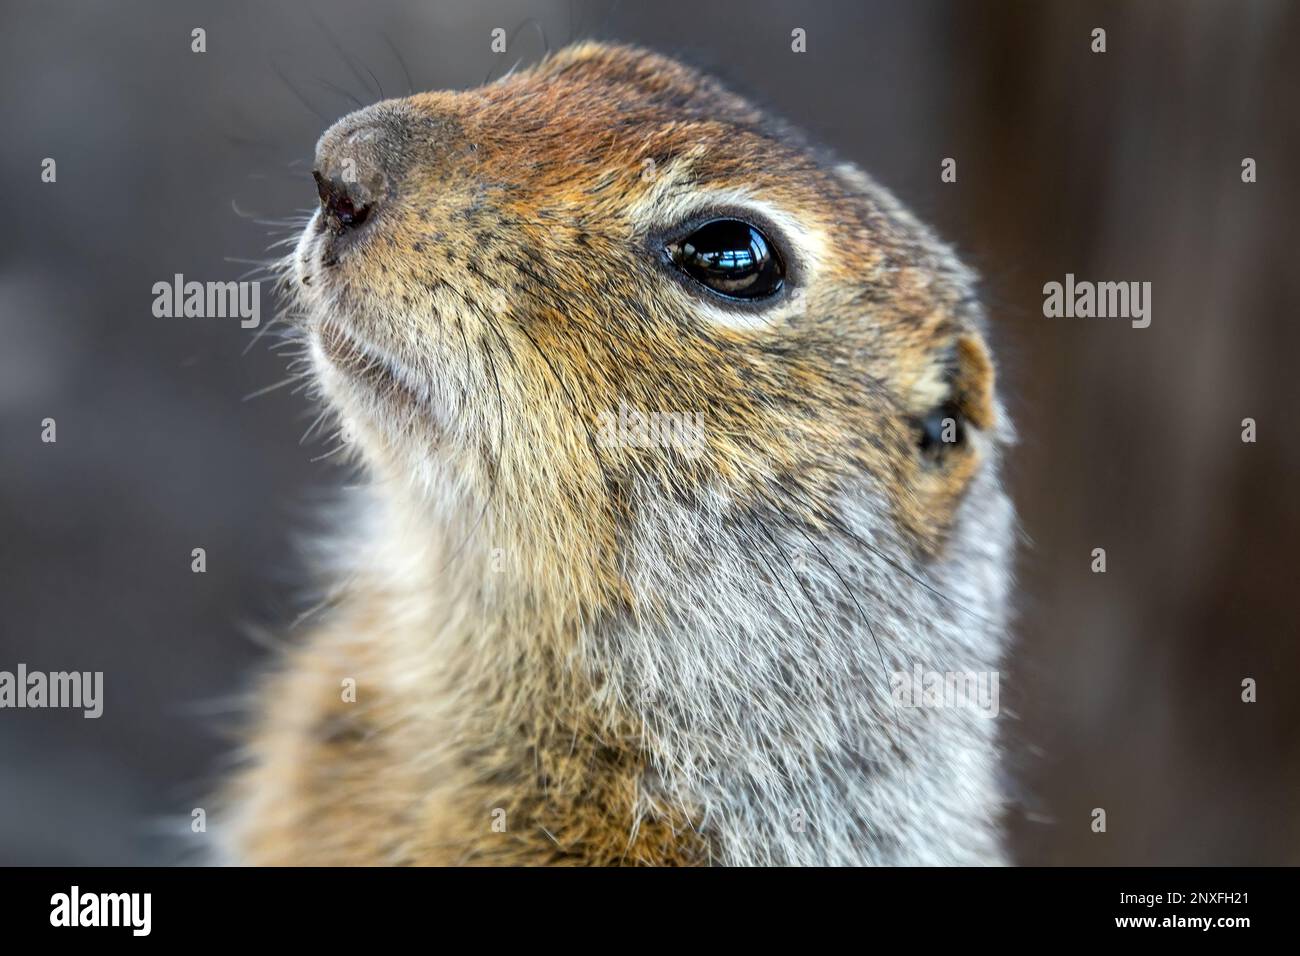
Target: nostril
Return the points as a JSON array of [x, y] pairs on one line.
[[345, 204]]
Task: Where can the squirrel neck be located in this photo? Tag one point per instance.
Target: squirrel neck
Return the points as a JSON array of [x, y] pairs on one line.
[[744, 707]]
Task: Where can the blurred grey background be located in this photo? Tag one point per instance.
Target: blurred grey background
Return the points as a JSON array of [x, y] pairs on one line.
[[1124, 689]]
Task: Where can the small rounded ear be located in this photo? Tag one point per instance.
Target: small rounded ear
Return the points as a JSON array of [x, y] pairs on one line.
[[954, 396], [972, 382]]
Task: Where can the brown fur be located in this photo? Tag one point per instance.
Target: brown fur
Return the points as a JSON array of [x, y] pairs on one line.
[[517, 188]]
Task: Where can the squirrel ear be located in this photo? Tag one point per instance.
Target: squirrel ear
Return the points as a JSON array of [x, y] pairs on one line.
[[956, 395], [972, 383]]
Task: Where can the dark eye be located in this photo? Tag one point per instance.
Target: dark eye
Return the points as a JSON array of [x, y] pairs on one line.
[[941, 430], [732, 258]]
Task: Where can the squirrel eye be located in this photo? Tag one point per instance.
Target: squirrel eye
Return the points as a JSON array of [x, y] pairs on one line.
[[732, 258]]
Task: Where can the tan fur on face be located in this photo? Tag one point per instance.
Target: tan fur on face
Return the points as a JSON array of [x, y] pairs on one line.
[[514, 278]]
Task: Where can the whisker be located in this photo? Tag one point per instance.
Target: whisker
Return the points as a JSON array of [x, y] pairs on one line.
[[842, 528], [329, 454], [296, 92], [346, 57], [410, 85], [777, 580], [270, 388], [313, 426], [341, 91]]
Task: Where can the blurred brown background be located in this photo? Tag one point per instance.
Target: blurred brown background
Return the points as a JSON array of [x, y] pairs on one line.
[[1124, 687]]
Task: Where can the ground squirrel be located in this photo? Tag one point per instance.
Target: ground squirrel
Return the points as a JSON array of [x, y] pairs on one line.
[[565, 632]]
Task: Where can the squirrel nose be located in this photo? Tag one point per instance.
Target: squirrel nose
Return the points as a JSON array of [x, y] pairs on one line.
[[352, 174], [345, 204]]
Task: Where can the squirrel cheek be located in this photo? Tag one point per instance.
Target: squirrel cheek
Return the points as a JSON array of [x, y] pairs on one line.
[[928, 513]]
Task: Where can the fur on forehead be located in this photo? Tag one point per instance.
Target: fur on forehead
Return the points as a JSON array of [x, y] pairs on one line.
[[633, 77]]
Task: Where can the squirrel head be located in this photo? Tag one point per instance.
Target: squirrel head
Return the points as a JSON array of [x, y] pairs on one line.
[[606, 285]]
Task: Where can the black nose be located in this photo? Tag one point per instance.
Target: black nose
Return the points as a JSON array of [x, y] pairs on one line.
[[345, 203], [355, 165]]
